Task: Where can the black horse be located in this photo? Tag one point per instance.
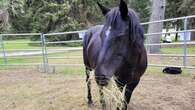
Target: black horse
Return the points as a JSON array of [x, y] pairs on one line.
[[116, 49]]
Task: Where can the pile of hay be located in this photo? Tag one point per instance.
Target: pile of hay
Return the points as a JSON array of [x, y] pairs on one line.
[[112, 95]]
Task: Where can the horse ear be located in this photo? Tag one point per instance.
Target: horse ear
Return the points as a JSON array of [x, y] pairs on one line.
[[123, 9], [103, 9]]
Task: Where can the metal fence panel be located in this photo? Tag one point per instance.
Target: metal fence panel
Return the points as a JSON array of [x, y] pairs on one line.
[[45, 51]]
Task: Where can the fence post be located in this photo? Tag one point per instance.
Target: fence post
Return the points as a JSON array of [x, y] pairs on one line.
[[185, 42], [44, 53], [3, 50], [147, 44], [46, 58]]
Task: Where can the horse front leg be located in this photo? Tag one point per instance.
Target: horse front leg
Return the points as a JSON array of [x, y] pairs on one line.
[[88, 81], [128, 92], [102, 98], [120, 86]]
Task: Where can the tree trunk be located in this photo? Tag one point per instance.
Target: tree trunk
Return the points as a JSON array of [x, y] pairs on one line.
[[193, 36], [192, 24], [4, 17], [177, 34], [158, 10], [167, 30]]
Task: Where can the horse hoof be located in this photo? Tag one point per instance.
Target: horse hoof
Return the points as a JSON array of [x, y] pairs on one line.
[[90, 104]]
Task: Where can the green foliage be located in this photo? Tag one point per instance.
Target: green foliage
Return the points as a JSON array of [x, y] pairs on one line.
[[42, 16], [62, 15], [178, 8], [3, 4], [142, 7], [187, 7]]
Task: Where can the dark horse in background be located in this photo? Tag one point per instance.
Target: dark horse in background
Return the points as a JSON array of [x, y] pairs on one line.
[[117, 50]]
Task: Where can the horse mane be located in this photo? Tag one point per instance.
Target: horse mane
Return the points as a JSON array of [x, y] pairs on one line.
[[136, 32]]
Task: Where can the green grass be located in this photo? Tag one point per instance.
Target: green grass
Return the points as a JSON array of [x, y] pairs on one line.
[[178, 50], [38, 59], [78, 70], [70, 70], [158, 70], [69, 53], [21, 60], [154, 70], [12, 44], [12, 61]]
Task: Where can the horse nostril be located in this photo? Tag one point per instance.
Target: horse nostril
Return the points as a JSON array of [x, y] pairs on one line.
[[102, 77], [101, 80]]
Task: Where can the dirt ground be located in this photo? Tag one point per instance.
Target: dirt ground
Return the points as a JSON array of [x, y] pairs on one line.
[[31, 90]]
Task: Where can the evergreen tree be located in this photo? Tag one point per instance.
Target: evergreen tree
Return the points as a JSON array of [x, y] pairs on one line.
[[142, 7]]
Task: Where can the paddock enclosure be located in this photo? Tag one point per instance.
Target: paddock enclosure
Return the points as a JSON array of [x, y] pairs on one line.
[[51, 77], [26, 89]]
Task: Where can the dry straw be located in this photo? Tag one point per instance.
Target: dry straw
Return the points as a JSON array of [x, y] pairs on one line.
[[112, 95]]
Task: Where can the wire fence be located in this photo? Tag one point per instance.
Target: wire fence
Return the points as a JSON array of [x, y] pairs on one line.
[[44, 51]]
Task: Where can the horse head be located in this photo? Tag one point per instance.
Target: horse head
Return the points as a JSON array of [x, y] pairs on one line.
[[118, 35]]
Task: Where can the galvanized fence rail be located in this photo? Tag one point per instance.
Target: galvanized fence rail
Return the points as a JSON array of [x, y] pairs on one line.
[[44, 51]]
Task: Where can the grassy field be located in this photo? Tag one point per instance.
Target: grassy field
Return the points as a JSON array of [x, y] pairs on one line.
[[27, 88], [25, 44], [13, 44], [178, 50], [79, 60]]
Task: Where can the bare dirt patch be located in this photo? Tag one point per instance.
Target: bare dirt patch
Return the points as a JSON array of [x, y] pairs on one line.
[[31, 90]]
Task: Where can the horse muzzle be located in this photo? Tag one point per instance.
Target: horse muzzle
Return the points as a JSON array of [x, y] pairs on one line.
[[101, 80]]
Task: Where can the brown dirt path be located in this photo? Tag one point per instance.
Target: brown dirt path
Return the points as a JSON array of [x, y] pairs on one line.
[[30, 90]]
